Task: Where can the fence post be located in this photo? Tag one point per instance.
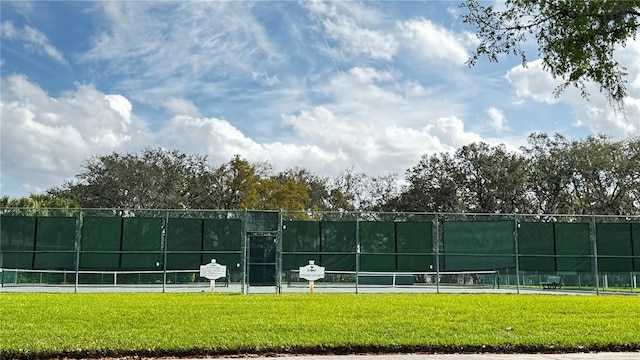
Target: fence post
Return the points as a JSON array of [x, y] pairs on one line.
[[357, 240], [77, 245], [594, 244], [516, 225], [245, 266], [437, 239], [279, 253], [164, 250]]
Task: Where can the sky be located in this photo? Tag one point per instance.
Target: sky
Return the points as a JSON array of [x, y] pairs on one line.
[[327, 86]]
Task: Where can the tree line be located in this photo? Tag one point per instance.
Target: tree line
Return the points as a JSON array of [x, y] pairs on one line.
[[551, 175]]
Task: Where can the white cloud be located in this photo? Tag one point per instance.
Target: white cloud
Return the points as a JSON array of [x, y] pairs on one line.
[[595, 113], [367, 75], [25, 8], [534, 82], [264, 78], [357, 11], [61, 132], [435, 42], [121, 105], [450, 130], [357, 40], [376, 146], [175, 49], [497, 120], [628, 57], [387, 97], [45, 139], [635, 84], [454, 12], [214, 137], [356, 28], [8, 30], [220, 141], [361, 88], [179, 106], [34, 40]]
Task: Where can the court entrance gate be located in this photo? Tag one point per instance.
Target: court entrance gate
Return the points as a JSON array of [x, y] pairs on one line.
[[262, 251]]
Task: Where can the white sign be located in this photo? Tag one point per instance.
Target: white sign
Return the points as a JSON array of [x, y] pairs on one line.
[[213, 270], [311, 272]]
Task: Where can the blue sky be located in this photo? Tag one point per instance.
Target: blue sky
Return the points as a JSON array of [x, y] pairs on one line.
[[321, 85]]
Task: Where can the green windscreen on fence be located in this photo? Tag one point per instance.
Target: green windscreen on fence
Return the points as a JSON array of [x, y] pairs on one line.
[[573, 247], [377, 246], [55, 239], [478, 245], [262, 220], [614, 247], [100, 244], [535, 246], [223, 242], [635, 235], [138, 243], [300, 243], [142, 243], [415, 243], [17, 234], [338, 245], [184, 243]]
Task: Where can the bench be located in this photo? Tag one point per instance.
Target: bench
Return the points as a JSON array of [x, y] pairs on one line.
[[551, 283]]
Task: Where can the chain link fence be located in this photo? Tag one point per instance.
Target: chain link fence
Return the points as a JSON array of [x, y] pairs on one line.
[[360, 250]]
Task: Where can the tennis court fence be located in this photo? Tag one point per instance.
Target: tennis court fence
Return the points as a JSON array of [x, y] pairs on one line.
[[124, 247]]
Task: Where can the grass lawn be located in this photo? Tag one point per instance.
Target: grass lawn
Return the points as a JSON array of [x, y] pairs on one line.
[[191, 324]]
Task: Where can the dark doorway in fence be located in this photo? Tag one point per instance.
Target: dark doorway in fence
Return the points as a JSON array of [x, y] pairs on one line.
[[262, 260]]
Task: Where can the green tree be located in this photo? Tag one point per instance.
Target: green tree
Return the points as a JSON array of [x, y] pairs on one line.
[[477, 178], [317, 187], [549, 173], [203, 190], [236, 183], [491, 179], [352, 190], [347, 190], [633, 151], [38, 205], [37, 201], [605, 176], [382, 190], [576, 40], [432, 186], [169, 177], [156, 179], [275, 194]]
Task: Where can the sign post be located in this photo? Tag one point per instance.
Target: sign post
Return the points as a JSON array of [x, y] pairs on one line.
[[213, 271], [311, 272]]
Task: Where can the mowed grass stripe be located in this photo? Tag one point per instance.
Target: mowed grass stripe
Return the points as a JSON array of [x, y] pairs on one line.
[[58, 323]]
